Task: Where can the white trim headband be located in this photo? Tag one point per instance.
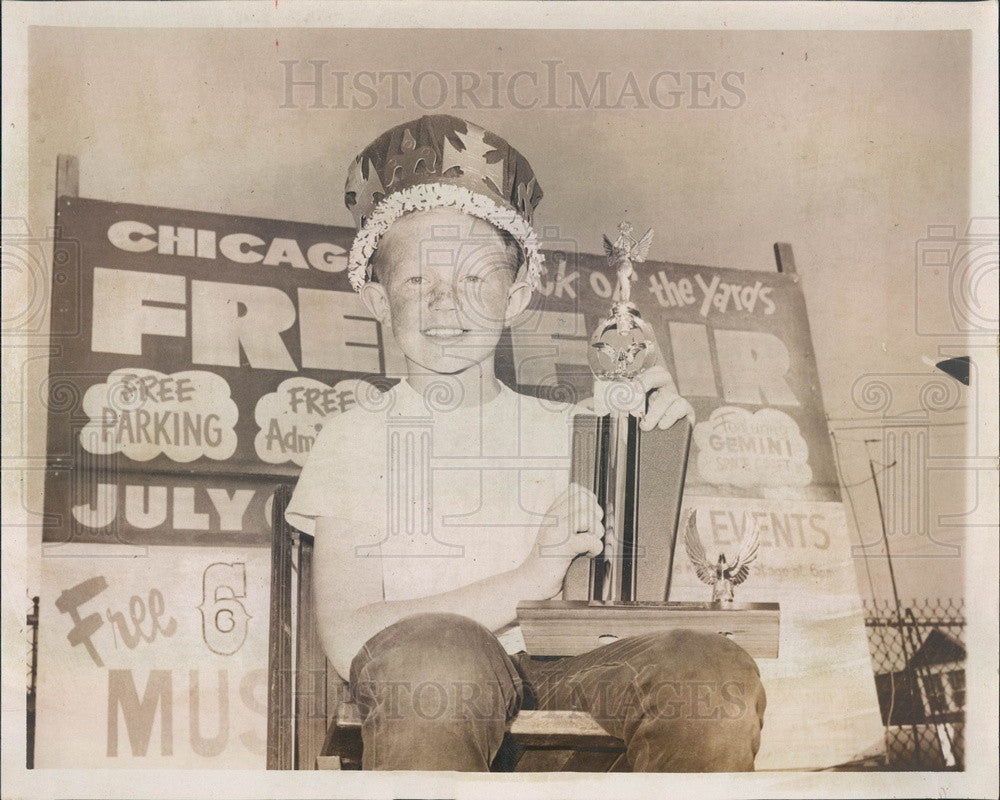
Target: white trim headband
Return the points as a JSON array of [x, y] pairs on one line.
[[436, 195], [440, 161]]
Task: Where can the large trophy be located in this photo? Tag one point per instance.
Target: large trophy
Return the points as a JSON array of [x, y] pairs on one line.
[[638, 477]]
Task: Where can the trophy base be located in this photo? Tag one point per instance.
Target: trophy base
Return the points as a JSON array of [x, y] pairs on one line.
[[573, 627]]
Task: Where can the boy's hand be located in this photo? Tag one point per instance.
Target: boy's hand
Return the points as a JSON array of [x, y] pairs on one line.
[[575, 529], [665, 406]]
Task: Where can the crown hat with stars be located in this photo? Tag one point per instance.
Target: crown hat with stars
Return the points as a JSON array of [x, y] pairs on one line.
[[440, 161]]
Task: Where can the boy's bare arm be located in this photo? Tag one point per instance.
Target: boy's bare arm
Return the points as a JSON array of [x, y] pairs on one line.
[[348, 589]]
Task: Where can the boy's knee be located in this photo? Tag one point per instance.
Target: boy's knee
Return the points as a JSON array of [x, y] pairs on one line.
[[706, 674], [696, 651], [435, 667], [703, 704], [441, 637], [442, 626], [441, 648]]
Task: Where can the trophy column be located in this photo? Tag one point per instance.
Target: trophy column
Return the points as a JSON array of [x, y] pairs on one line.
[[621, 349]]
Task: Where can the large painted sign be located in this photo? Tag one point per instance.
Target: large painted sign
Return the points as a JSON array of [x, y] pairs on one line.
[[195, 358]]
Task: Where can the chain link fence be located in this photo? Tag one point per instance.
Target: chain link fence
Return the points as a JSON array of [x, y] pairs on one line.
[[32, 678], [918, 656]]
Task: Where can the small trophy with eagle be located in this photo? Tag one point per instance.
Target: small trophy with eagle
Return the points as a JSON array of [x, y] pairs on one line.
[[722, 577]]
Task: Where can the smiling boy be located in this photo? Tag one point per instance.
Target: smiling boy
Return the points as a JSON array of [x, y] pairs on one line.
[[439, 505]]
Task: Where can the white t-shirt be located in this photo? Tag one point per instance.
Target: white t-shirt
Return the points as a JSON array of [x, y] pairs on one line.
[[443, 496]]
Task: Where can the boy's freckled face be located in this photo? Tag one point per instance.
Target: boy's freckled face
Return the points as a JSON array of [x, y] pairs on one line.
[[449, 288]]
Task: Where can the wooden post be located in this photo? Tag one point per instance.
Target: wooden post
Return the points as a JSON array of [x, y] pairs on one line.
[[67, 176], [32, 621], [310, 668], [784, 258], [280, 723]]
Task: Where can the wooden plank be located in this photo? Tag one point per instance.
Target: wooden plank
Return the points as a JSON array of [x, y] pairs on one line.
[[530, 728], [569, 628], [541, 759], [344, 741], [544, 741], [337, 692], [310, 668], [560, 729], [547, 759], [67, 176], [784, 258], [280, 739], [535, 759], [348, 716], [575, 610], [591, 761], [344, 737], [330, 740]]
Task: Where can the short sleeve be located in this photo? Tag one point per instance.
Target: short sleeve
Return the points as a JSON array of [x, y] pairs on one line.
[[329, 481]]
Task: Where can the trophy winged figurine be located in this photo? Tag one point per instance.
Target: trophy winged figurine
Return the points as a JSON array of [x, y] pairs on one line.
[[623, 346], [622, 253], [721, 576]]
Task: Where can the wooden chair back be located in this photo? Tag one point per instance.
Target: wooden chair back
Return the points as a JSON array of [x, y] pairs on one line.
[[304, 691]]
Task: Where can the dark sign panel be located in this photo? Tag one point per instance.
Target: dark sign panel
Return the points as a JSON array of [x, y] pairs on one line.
[[738, 345]]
